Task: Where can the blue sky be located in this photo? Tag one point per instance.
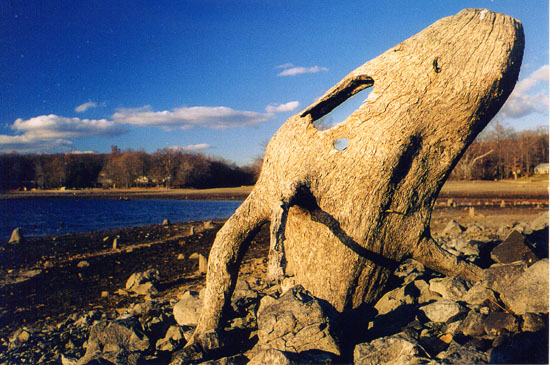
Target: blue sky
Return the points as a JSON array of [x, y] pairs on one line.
[[217, 77]]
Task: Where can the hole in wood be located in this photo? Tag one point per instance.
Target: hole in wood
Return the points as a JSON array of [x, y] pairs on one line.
[[342, 112], [341, 144]]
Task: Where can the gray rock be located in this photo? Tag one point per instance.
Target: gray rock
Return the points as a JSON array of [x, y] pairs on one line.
[[173, 339], [520, 227], [450, 288], [453, 228], [529, 292], [479, 294], [474, 228], [203, 265], [531, 322], [265, 302], [297, 322], [68, 360], [209, 342], [440, 311], [392, 300], [462, 246], [144, 308], [19, 337], [425, 295], [496, 322], [120, 341], [17, 236], [203, 262], [273, 356], [540, 222], [462, 354], [143, 282], [473, 324], [228, 360], [523, 348], [187, 310], [499, 276], [288, 283], [514, 248], [83, 264], [397, 349], [244, 297], [407, 267]]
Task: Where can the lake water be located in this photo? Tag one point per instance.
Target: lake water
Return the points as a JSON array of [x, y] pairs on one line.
[[44, 217]]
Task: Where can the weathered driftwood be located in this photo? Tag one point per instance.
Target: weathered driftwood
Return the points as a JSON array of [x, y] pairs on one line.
[[342, 220]]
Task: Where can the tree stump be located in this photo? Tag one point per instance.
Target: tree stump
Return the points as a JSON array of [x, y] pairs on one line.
[[342, 220]]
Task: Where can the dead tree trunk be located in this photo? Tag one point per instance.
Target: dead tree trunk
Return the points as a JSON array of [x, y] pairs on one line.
[[342, 220]]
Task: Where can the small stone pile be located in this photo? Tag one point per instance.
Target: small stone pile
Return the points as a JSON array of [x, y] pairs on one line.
[[423, 316]]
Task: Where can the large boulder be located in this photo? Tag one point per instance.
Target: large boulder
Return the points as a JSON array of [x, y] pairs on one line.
[[529, 292], [188, 309], [514, 248], [121, 342], [297, 322], [499, 276]]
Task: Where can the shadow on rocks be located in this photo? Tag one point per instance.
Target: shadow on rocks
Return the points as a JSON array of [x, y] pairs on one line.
[[523, 348]]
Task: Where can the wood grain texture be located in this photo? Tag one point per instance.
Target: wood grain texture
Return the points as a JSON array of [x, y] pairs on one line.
[[343, 220]]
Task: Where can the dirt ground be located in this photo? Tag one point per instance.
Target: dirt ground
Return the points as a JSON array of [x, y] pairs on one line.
[[509, 189], [41, 282]]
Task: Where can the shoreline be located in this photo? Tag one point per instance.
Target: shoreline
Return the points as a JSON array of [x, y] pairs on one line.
[[237, 193], [508, 190]]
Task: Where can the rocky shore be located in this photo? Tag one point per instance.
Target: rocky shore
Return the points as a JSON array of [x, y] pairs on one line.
[[133, 296]]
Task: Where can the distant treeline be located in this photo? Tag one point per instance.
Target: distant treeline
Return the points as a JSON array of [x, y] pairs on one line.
[[498, 153], [503, 153], [166, 168]]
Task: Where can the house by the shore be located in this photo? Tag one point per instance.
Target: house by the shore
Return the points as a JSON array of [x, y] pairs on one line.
[[541, 169]]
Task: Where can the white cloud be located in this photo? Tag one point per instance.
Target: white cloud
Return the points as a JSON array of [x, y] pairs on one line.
[[218, 117], [191, 147], [285, 65], [83, 107], [54, 126], [523, 101], [83, 153], [281, 108], [292, 71], [26, 144], [47, 132]]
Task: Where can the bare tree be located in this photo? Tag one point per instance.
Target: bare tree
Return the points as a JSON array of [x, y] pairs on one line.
[[464, 169]]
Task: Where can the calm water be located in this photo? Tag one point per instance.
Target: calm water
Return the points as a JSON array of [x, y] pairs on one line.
[[43, 217]]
